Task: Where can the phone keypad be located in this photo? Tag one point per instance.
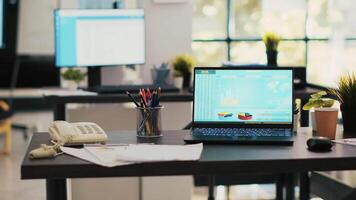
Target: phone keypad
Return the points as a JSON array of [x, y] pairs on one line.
[[97, 130], [81, 129]]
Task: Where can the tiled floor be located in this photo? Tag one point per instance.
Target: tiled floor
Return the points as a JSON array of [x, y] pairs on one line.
[[13, 188]]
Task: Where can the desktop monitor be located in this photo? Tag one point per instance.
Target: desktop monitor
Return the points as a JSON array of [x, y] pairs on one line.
[[99, 37]]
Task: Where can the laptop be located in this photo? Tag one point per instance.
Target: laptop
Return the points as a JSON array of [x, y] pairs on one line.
[[242, 106]]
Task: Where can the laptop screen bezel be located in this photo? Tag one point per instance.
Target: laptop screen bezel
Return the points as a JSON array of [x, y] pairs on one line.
[[198, 124]]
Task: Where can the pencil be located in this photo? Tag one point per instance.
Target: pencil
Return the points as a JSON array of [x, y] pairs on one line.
[[132, 98]]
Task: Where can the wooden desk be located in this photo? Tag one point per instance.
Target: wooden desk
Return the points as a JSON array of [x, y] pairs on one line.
[[215, 160]]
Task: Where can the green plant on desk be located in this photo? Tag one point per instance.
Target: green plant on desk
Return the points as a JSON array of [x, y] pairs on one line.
[[317, 101], [183, 66], [73, 75], [346, 94]]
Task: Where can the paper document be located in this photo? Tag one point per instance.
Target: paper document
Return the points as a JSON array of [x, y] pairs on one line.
[[146, 152], [85, 155], [124, 154], [349, 141]]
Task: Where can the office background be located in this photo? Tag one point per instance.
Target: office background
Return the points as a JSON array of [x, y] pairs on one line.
[[318, 34]]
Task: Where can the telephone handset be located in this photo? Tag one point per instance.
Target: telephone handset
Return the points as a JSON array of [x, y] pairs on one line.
[[77, 133]]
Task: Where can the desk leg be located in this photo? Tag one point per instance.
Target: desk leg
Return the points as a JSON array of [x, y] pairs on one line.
[[59, 112], [211, 187], [304, 185], [56, 189], [289, 186], [304, 115], [279, 187]]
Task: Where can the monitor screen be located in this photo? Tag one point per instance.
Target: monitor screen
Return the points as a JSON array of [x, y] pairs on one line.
[[243, 96], [99, 37]]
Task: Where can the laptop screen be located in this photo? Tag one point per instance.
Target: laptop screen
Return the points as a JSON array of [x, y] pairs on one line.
[[243, 96]]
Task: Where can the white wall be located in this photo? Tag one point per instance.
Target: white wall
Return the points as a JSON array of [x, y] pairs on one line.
[[35, 29], [168, 33]]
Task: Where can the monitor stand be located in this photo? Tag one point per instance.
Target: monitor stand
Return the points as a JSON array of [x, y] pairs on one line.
[[94, 76]]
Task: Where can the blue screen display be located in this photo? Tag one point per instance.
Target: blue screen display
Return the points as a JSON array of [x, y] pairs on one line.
[[243, 96], [99, 37]]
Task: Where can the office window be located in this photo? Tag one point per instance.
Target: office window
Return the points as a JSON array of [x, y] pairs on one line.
[[312, 32], [209, 54]]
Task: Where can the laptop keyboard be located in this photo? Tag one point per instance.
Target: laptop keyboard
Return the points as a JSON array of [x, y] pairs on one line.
[[241, 132]]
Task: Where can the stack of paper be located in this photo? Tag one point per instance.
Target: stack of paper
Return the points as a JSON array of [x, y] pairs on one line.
[[116, 155]]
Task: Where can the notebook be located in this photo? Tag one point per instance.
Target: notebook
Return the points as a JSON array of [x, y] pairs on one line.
[[242, 105]]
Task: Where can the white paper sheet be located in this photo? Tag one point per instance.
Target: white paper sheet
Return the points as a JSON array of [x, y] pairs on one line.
[[116, 155], [349, 141], [146, 152], [85, 155]]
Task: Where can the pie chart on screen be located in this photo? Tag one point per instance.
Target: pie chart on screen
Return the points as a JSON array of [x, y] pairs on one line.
[[244, 116], [224, 114]]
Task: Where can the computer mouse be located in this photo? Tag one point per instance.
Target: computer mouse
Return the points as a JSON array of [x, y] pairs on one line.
[[319, 144]]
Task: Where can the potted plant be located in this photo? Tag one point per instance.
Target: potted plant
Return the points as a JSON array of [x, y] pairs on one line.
[[178, 80], [183, 66], [74, 76], [346, 94], [271, 41], [316, 100]]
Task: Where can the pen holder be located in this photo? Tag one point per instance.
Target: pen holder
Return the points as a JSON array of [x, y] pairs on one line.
[[149, 122]]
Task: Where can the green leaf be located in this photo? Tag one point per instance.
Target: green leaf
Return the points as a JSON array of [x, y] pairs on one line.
[[318, 94], [328, 103]]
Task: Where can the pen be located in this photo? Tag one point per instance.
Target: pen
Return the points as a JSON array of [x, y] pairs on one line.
[[132, 98], [148, 93], [153, 101], [143, 101], [143, 94]]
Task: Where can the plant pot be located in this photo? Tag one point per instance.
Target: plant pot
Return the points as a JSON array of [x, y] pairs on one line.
[[296, 119], [272, 58], [178, 82], [348, 119], [326, 121], [313, 122], [186, 80], [70, 85]]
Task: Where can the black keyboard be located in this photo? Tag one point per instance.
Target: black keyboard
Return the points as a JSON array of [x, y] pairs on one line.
[[241, 132], [118, 89]]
